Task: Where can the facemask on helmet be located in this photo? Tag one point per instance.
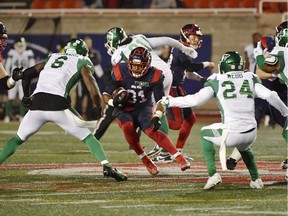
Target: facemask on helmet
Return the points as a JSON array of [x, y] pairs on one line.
[[139, 62], [76, 46], [283, 25], [282, 37], [191, 35], [113, 38], [20, 45], [3, 37], [231, 61]]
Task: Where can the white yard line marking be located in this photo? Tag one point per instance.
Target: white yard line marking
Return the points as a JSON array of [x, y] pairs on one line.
[[212, 209], [254, 212], [38, 133], [70, 203], [87, 193], [133, 206]]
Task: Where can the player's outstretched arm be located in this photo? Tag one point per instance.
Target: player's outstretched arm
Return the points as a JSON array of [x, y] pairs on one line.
[[156, 42], [93, 90], [198, 99], [272, 98]]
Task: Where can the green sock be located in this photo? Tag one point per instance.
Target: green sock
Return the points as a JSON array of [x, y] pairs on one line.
[[22, 109], [8, 108], [164, 125], [95, 147], [285, 132], [10, 147], [248, 158], [208, 151]]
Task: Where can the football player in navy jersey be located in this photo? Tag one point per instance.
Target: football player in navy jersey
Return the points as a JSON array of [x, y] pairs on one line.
[[134, 109], [182, 66], [7, 82]]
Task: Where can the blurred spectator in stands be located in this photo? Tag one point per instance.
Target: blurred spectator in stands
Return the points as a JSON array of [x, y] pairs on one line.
[[249, 56], [84, 103], [92, 4], [128, 3], [17, 57], [111, 4], [163, 4], [143, 4]]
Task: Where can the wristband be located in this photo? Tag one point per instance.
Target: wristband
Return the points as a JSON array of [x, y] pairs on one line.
[[11, 81], [205, 64], [110, 102], [158, 114]]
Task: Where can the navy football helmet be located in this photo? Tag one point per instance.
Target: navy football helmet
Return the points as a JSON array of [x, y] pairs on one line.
[[139, 62]]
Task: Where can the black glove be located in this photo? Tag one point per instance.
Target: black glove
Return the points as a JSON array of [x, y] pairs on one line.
[[121, 101], [26, 101], [95, 113], [155, 123], [17, 73]]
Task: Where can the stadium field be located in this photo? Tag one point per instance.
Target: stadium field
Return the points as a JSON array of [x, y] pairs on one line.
[[54, 174]]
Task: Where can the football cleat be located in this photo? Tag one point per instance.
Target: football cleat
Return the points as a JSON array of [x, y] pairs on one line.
[[155, 151], [231, 163], [167, 158], [213, 181], [183, 162], [257, 184], [109, 171], [151, 167], [284, 164]]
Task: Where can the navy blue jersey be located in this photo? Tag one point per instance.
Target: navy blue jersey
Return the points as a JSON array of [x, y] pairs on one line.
[[180, 63], [140, 89]]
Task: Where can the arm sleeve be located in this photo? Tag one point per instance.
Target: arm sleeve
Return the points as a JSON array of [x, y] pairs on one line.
[[189, 65], [272, 98], [198, 99], [158, 91], [161, 41], [3, 83]]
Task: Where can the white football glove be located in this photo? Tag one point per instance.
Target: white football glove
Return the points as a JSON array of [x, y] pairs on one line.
[[189, 51], [258, 50], [165, 101]]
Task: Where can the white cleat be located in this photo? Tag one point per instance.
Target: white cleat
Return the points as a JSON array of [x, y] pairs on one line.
[[213, 181], [257, 184]]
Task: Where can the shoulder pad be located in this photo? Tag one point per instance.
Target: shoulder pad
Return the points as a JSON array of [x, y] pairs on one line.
[[117, 72], [157, 75]]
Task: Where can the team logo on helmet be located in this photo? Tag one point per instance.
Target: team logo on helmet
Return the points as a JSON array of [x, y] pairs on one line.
[[76, 46], [282, 37], [113, 38], [231, 61]]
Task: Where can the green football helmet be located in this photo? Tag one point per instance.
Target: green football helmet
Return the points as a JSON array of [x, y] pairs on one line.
[[231, 61], [76, 46], [282, 37], [113, 38]]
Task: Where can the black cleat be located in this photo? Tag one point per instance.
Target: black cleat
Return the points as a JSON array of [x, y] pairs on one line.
[[109, 171], [231, 163], [155, 151], [284, 164]]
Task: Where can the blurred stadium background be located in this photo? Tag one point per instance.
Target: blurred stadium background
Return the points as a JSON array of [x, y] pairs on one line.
[[226, 24]]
